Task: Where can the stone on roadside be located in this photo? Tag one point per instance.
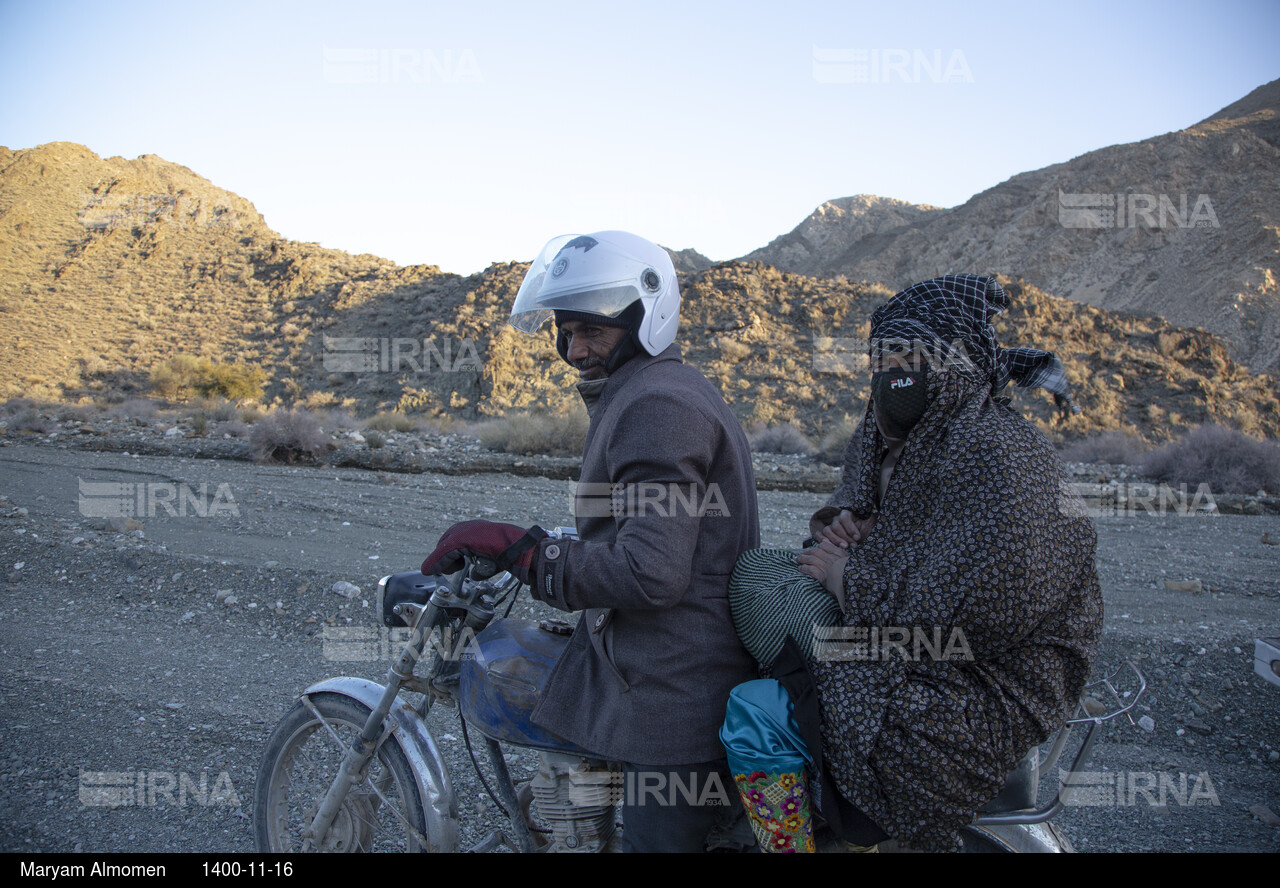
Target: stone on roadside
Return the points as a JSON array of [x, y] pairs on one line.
[[345, 589], [1192, 586], [1147, 723]]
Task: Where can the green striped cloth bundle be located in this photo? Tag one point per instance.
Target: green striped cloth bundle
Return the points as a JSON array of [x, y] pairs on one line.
[[770, 599]]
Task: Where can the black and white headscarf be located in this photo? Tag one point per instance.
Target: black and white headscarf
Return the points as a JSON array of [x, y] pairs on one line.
[[950, 317]]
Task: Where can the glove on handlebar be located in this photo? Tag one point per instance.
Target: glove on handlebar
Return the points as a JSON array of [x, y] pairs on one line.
[[511, 547]]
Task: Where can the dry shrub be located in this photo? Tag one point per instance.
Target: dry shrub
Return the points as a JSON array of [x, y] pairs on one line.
[[436, 425], [320, 400], [289, 436], [1113, 448], [171, 378], [341, 419], [76, 412], [140, 409], [236, 429], [1225, 459], [184, 374], [236, 382], [779, 439], [32, 421], [734, 351], [19, 405], [536, 434], [217, 409], [389, 421], [837, 439], [374, 440]]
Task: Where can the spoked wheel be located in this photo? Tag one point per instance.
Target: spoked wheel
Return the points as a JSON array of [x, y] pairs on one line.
[[383, 810]]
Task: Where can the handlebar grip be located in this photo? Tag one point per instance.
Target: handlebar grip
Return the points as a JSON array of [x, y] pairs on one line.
[[483, 567]]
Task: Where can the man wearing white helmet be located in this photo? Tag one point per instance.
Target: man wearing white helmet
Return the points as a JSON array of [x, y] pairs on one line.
[[666, 505]]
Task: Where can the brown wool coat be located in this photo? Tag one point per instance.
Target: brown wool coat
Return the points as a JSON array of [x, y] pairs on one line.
[[975, 533], [650, 665]]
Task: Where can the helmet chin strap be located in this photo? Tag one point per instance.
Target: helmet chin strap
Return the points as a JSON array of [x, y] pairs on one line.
[[624, 351]]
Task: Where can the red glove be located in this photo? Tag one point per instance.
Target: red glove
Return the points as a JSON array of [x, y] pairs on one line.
[[508, 546]]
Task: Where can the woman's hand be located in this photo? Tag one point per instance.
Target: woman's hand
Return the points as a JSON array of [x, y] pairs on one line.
[[825, 563], [844, 530]]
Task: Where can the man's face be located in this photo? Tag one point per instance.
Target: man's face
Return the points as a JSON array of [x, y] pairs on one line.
[[590, 345]]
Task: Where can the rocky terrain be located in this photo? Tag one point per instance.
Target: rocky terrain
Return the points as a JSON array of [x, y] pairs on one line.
[[1182, 225], [110, 268]]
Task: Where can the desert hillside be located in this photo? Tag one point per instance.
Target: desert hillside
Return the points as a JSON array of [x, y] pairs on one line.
[[1184, 225], [109, 267]]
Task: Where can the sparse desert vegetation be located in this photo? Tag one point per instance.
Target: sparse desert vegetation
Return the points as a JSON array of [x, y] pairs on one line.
[[540, 433], [1225, 459], [184, 376], [289, 436], [785, 438], [1115, 448]]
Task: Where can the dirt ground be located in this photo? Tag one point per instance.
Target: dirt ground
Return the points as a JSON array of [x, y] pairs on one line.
[[166, 652]]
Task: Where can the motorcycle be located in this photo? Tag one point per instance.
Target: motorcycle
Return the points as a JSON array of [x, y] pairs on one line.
[[353, 767]]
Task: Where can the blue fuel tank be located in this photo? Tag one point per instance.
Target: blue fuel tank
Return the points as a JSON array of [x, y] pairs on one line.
[[501, 681]]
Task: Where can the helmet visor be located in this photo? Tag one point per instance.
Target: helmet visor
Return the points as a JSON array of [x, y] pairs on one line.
[[577, 272]]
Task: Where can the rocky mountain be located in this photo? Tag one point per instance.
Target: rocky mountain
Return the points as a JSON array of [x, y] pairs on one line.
[[821, 241], [110, 267], [1185, 226], [689, 260]]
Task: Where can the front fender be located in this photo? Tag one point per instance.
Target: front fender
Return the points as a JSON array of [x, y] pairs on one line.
[[1032, 838], [440, 807]]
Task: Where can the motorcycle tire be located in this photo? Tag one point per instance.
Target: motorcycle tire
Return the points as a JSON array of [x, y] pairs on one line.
[[382, 812]]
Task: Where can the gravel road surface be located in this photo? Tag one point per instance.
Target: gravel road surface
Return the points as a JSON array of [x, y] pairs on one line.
[[155, 659]]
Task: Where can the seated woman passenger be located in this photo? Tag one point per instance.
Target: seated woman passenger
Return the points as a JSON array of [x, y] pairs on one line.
[[969, 607]]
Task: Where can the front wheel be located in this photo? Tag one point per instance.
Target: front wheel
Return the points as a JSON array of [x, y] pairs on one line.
[[383, 810]]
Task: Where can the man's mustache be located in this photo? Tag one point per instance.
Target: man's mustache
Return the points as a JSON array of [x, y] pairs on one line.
[[587, 363]]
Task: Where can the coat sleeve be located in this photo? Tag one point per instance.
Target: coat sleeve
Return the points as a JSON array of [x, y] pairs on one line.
[[659, 459]]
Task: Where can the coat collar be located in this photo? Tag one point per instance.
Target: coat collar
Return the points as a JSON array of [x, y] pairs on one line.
[[624, 374]]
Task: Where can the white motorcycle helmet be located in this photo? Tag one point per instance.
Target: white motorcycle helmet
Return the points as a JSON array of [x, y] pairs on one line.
[[602, 274]]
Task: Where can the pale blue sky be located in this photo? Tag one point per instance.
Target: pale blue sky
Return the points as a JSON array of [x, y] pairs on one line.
[[463, 133]]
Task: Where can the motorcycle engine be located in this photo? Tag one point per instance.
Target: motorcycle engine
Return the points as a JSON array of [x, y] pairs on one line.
[[576, 798]]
